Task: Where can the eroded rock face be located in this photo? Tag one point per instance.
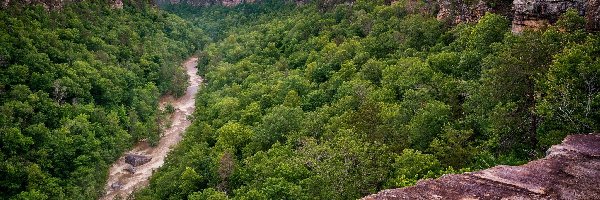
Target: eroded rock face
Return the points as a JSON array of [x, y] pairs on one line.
[[539, 13], [190, 2], [228, 3], [54, 4], [571, 170], [459, 11], [136, 160], [48, 4], [202, 2], [525, 14], [592, 15]]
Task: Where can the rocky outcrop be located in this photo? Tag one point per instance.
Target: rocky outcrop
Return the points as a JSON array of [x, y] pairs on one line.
[[456, 12], [570, 170], [525, 14], [592, 15], [540, 13], [228, 3], [190, 2], [55, 4], [136, 160], [48, 4]]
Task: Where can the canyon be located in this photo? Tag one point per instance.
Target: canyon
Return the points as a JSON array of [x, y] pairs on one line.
[[524, 14], [533, 14], [567, 172]]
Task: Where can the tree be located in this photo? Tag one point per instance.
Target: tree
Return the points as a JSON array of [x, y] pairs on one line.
[[453, 147], [427, 124], [490, 29], [71, 83], [411, 166], [233, 137], [344, 167], [277, 124], [508, 93], [570, 21], [208, 194], [571, 93]]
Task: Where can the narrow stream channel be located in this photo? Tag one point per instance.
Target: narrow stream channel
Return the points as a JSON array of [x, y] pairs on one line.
[[122, 182]]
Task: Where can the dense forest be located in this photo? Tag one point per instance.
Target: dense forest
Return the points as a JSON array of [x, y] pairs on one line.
[[313, 101], [80, 85], [338, 102]]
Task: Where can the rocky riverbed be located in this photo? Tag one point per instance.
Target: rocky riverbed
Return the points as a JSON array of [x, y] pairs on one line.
[[133, 170]]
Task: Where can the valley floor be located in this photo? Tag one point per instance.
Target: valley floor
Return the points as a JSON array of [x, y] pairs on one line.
[[122, 182]]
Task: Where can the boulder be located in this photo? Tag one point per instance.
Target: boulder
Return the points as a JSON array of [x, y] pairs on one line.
[[136, 160], [116, 186], [130, 169]]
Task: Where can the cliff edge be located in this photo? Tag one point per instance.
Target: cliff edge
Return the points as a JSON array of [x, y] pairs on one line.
[[570, 170]]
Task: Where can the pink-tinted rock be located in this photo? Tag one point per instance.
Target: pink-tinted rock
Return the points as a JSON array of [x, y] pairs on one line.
[[571, 170]]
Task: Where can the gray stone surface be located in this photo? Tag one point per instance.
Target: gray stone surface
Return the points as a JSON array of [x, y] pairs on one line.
[[131, 169], [136, 160], [116, 186]]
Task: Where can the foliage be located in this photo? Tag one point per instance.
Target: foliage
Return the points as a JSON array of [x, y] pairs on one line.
[[336, 101], [316, 101], [77, 87]]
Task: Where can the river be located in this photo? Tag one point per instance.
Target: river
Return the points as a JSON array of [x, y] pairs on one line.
[[184, 107]]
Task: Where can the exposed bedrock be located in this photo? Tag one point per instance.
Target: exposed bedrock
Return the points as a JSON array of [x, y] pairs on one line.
[[539, 13], [458, 11], [215, 2], [570, 170], [55, 4]]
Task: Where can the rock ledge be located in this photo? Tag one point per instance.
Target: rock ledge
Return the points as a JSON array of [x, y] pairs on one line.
[[571, 170]]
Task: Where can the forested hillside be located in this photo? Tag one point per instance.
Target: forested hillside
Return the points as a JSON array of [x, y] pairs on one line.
[[341, 102], [78, 86], [326, 100]]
